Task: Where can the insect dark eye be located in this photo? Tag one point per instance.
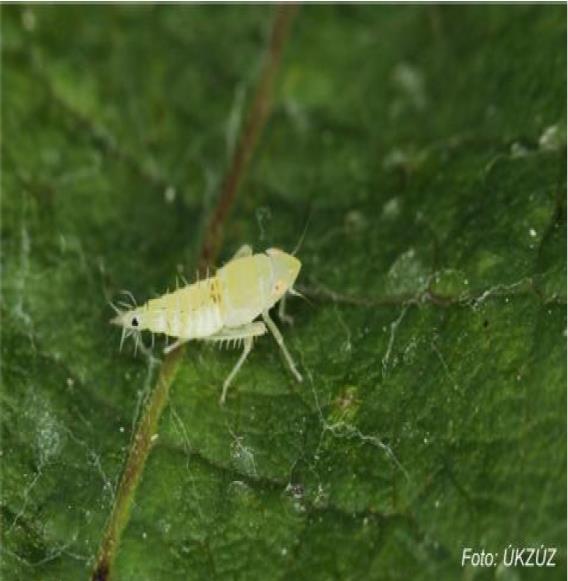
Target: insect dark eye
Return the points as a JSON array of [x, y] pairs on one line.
[[134, 322]]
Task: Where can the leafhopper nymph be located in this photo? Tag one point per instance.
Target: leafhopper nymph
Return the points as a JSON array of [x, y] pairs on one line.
[[223, 307]]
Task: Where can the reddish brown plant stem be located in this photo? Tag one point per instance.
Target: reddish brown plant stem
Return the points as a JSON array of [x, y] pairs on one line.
[[148, 425], [256, 121]]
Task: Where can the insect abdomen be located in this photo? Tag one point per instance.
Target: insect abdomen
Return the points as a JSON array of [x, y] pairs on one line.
[[203, 322], [191, 312]]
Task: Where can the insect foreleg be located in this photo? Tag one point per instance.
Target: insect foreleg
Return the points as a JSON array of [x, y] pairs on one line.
[[282, 312], [280, 340]]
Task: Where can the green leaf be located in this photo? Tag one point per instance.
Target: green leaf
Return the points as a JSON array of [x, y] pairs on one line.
[[428, 144]]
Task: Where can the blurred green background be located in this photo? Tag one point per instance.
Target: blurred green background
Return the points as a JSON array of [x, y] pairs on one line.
[[428, 144]]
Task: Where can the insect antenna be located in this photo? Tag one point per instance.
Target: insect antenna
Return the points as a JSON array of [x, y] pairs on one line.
[[130, 296], [125, 335], [137, 342], [301, 240], [296, 293], [115, 308], [140, 342]]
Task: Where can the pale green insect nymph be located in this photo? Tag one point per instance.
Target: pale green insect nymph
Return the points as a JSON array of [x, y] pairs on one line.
[[223, 307]]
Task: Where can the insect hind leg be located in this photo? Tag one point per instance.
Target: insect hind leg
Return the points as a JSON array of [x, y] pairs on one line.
[[280, 340]]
